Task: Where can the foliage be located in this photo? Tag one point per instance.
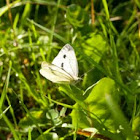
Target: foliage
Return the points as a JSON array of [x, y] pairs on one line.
[[106, 40]]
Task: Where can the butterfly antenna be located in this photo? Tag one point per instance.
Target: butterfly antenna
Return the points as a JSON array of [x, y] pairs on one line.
[[80, 78], [86, 72]]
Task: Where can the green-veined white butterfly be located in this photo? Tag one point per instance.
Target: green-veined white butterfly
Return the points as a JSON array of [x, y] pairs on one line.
[[64, 67]]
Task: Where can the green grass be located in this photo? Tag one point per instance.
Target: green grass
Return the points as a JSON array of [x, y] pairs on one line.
[[108, 53]]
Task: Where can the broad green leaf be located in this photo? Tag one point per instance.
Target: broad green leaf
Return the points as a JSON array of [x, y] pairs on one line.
[[102, 111], [96, 103], [97, 113]]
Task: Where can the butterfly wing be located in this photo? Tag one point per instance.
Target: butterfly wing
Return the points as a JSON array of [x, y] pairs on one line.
[[66, 60], [54, 73]]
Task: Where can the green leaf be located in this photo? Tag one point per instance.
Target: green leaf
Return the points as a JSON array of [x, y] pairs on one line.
[[97, 113], [102, 111], [96, 102]]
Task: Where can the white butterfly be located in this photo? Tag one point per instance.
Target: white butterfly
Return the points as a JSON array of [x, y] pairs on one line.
[[64, 67]]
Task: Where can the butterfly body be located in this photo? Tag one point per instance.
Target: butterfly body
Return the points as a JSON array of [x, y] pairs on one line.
[[64, 67]]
